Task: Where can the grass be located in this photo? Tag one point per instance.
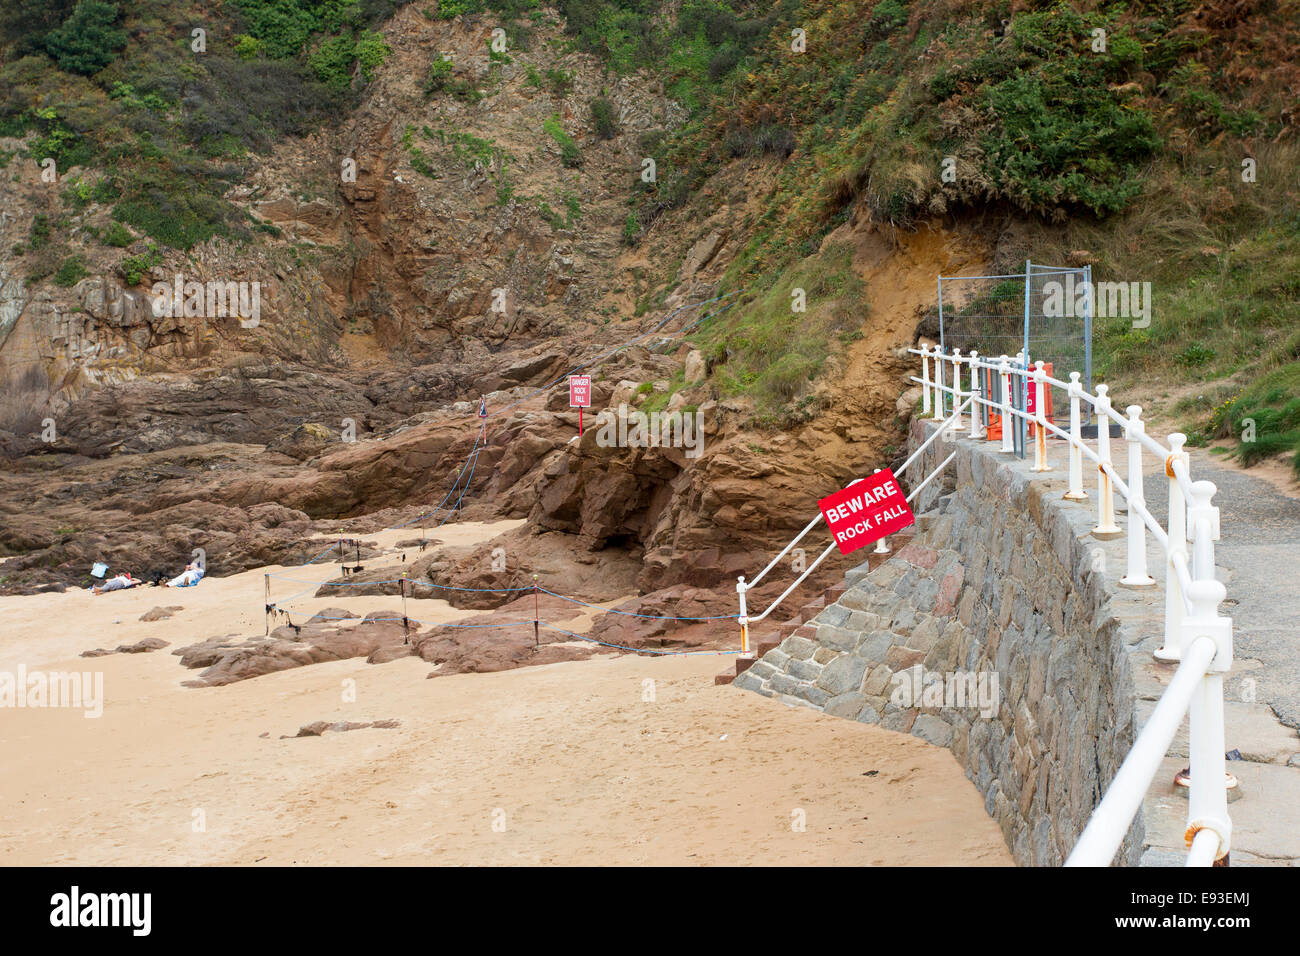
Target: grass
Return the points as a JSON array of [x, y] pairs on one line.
[[766, 349], [1223, 258]]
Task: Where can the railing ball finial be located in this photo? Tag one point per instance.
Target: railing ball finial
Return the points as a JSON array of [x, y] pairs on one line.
[[1203, 492], [1176, 442], [1135, 424], [1205, 596]]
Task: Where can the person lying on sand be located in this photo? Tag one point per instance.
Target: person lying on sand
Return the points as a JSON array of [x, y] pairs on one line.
[[119, 583], [191, 576]]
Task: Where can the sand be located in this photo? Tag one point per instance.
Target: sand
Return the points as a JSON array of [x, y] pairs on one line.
[[620, 759]]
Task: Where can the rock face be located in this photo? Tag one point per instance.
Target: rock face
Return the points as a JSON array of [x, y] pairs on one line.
[[503, 639], [494, 641], [226, 660], [425, 287], [654, 621], [989, 634]]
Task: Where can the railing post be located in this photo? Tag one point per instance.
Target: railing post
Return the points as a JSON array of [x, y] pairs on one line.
[[1076, 492], [956, 388], [1106, 527], [938, 384], [1004, 370], [1019, 398], [743, 619], [976, 428], [1040, 418], [1172, 649], [882, 545], [1199, 510], [925, 379], [1207, 805], [1136, 576]]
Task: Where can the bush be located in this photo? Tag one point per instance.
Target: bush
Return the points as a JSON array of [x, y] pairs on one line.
[[440, 76], [450, 9], [78, 194], [56, 141], [603, 118], [26, 23], [71, 271], [561, 82], [282, 26], [245, 104], [134, 268], [569, 154], [249, 47], [88, 40], [39, 237], [372, 51], [332, 62], [117, 235]]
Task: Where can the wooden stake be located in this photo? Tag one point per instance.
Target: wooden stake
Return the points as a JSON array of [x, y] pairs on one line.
[[406, 625]]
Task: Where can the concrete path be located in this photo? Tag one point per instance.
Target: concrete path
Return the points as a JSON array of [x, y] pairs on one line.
[[1260, 549], [1258, 560]]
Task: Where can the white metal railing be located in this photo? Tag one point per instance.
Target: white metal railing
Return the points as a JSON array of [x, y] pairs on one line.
[[1195, 634], [743, 586]]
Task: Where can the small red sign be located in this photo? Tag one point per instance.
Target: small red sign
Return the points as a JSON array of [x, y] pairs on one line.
[[866, 511], [580, 391]]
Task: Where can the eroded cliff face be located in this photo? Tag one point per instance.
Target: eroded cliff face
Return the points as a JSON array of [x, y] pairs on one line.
[[463, 259]]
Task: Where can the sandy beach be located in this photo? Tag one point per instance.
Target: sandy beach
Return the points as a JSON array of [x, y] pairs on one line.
[[620, 759]]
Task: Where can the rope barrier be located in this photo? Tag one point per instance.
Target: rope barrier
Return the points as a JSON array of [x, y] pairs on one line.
[[653, 617], [472, 458], [411, 581], [449, 587]]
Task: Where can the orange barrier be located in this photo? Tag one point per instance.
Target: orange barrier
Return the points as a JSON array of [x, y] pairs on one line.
[[995, 420]]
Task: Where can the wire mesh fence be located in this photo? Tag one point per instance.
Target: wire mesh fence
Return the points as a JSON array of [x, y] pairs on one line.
[[1044, 313]]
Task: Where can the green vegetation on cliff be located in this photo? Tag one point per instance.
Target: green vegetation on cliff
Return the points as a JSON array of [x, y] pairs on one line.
[[1154, 139], [166, 114], [1119, 135]]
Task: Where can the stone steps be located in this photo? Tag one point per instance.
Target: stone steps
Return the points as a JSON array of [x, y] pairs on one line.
[[770, 640]]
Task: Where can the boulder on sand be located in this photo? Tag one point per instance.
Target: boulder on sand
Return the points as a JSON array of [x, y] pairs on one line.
[[161, 613]]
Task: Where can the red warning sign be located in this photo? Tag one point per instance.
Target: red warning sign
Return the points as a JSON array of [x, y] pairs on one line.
[[580, 391], [866, 511]]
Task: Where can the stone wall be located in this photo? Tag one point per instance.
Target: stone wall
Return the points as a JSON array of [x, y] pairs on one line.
[[1001, 580]]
